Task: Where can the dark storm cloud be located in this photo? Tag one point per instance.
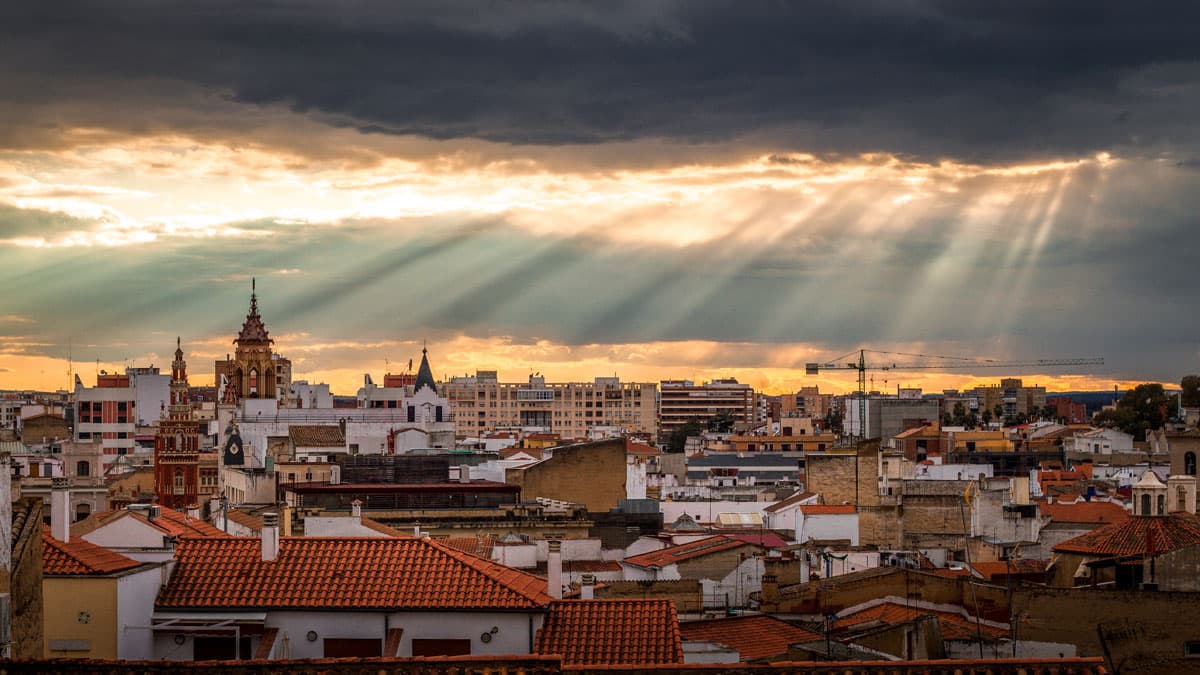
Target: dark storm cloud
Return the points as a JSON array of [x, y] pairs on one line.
[[983, 81]]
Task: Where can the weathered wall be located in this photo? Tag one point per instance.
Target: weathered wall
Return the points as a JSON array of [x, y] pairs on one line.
[[716, 565], [1178, 570], [591, 473], [686, 593], [880, 526], [1145, 630], [831, 476], [82, 610], [26, 582]]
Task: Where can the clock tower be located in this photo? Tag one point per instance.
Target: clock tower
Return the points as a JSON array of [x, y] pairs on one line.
[[177, 445]]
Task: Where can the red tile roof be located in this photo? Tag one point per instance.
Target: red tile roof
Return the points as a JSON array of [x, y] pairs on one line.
[[954, 626], [754, 637], [795, 498], [316, 436], [767, 539], [632, 447], [674, 554], [169, 522], [827, 509], [1083, 512], [1136, 535], [608, 632], [383, 529], [80, 558], [479, 546], [344, 572]]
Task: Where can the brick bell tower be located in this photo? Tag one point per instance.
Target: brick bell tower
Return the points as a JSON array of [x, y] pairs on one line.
[[177, 446]]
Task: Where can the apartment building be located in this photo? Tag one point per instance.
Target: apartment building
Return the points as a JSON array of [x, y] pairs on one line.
[[113, 409], [482, 403], [683, 401], [807, 402]]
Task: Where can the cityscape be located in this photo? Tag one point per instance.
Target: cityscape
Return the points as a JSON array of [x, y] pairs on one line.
[[627, 337]]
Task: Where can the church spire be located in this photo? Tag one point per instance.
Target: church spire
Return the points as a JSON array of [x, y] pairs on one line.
[[253, 329], [425, 373]]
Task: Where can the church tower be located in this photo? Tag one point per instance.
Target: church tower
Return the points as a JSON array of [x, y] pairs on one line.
[[177, 445], [255, 371]]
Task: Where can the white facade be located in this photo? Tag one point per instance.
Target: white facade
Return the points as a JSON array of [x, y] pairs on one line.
[[136, 592], [308, 396], [338, 526], [827, 527], [508, 632], [1103, 442]]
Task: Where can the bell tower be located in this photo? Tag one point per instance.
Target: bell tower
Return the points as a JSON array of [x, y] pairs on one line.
[[177, 445], [255, 371]]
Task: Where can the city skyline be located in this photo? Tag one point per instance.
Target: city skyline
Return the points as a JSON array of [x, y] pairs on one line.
[[730, 192]]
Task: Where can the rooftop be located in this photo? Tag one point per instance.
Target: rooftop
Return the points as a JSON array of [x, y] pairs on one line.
[[1083, 512], [754, 637], [1137, 535], [828, 509], [795, 498], [169, 521], [317, 436], [611, 632], [344, 572], [80, 558], [954, 625], [674, 554]]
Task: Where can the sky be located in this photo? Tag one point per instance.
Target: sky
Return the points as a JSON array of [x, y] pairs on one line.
[[650, 189]]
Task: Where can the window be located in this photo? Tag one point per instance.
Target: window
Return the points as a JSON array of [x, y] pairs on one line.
[[1189, 464], [412, 413], [82, 469], [82, 511], [1162, 505], [1145, 505], [346, 647], [178, 487], [441, 647]]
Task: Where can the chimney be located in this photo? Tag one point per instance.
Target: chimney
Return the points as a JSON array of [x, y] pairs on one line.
[[356, 508], [285, 521], [587, 587], [554, 570], [464, 473], [154, 512], [214, 506], [335, 474], [60, 508], [270, 536], [194, 511]]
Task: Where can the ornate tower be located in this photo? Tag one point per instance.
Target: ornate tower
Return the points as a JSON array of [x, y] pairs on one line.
[[254, 368], [177, 446]]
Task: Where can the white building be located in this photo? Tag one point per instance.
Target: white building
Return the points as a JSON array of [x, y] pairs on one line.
[[1102, 442]]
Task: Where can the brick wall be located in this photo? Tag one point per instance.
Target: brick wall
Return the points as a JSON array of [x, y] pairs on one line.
[[831, 476]]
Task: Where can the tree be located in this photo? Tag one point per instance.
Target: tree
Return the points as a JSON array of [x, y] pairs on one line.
[[833, 422], [998, 412], [960, 414], [1191, 391], [722, 422], [677, 440], [1141, 409], [986, 416]]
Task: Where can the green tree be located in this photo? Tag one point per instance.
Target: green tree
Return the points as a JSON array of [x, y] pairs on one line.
[[960, 414], [1141, 409], [722, 422], [998, 412], [1191, 391], [986, 416], [677, 440]]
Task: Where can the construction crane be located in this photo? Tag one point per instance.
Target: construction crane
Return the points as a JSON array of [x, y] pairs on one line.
[[949, 363]]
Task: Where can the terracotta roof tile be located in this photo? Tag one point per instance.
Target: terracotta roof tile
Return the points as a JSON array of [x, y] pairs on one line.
[[754, 637], [169, 522], [477, 546], [381, 528], [766, 539], [1136, 535], [317, 436], [828, 509], [80, 558], [954, 626], [607, 632], [789, 501], [1001, 569], [333, 572], [674, 554], [1083, 512]]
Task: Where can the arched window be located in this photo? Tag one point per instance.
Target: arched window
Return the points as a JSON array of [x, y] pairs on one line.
[[1181, 499], [254, 382], [1145, 506], [178, 481], [1189, 464], [1162, 505], [83, 469]]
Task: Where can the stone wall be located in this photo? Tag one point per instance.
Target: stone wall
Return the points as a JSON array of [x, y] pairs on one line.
[[592, 474], [831, 476], [1145, 631], [26, 582], [687, 593]]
